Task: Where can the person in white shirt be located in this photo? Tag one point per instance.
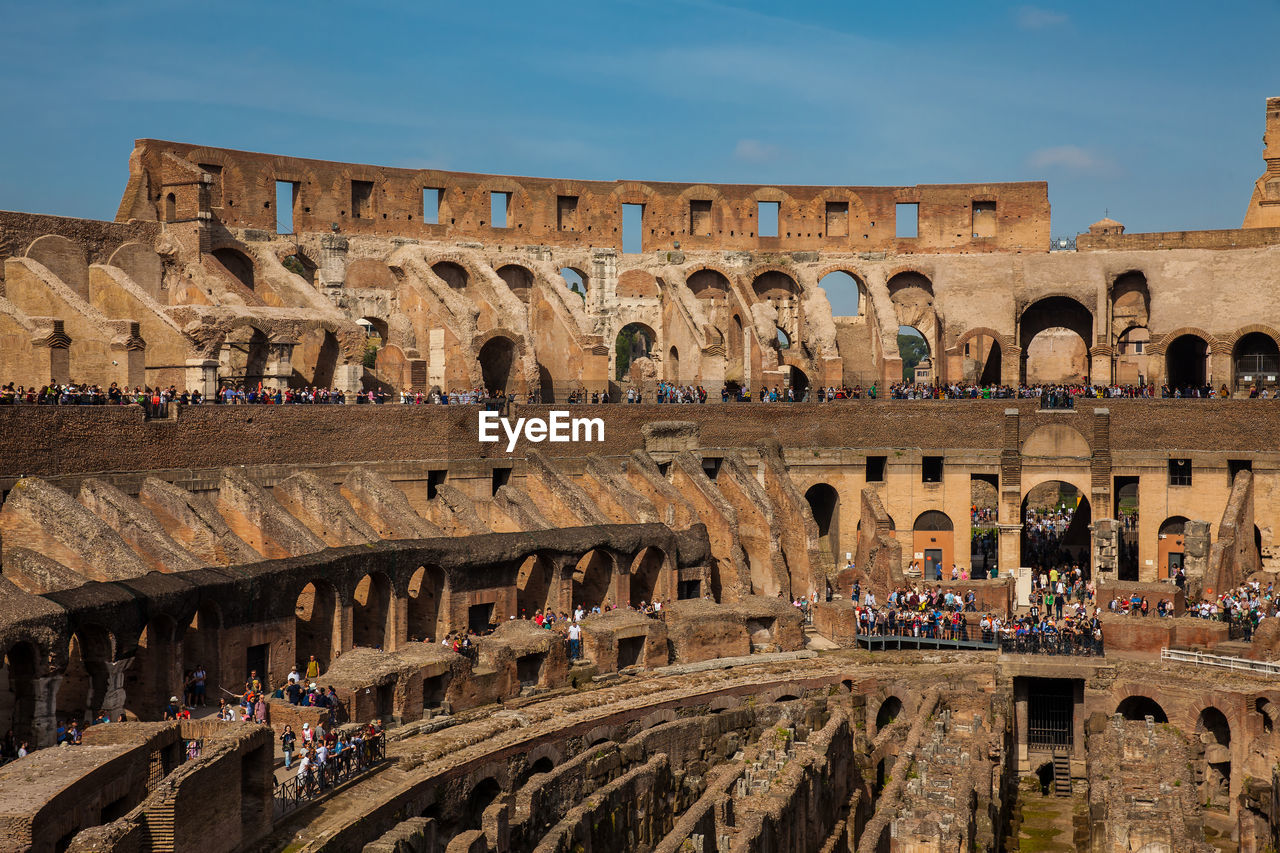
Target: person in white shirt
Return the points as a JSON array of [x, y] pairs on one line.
[[322, 754], [304, 767], [575, 641], [578, 614]]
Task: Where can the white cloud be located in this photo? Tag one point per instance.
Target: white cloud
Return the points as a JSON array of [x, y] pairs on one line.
[[1035, 18], [755, 151], [1070, 157]]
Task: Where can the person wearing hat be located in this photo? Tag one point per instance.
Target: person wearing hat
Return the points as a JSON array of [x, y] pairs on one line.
[[308, 736], [171, 710]]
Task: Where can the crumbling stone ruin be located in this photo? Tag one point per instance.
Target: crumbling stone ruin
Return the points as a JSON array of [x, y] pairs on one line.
[[749, 712]]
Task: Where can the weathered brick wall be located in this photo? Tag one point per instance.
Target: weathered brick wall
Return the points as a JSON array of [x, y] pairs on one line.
[[539, 210], [100, 239], [54, 441], [1228, 238]]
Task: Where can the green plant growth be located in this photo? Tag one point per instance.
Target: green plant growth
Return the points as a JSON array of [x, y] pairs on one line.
[[293, 265], [623, 347], [913, 350], [371, 355]]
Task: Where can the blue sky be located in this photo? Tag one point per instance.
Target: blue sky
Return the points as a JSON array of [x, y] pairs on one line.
[[1153, 111]]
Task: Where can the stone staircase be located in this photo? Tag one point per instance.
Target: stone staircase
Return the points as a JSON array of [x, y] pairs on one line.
[[1061, 775]]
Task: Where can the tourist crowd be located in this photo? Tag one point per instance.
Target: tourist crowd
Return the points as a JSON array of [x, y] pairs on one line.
[[1051, 396]]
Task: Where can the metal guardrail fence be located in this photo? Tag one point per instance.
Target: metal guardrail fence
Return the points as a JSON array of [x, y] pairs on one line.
[[341, 768], [1222, 661], [970, 637]]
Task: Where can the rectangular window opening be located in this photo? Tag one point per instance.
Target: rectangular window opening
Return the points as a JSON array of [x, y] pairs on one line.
[[711, 466], [767, 218], [837, 219], [501, 476], [875, 468], [632, 229], [499, 206], [984, 219], [931, 469], [362, 199], [431, 205], [700, 218], [1235, 466], [908, 220], [567, 213], [286, 195], [435, 479], [1179, 472]]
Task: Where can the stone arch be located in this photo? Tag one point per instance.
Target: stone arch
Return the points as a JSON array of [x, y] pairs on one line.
[[1255, 356], [824, 505], [498, 355], [1214, 731], [981, 351], [649, 576], [1186, 358], [1056, 441], [534, 585], [1130, 302], [657, 718], [238, 264], [141, 263], [889, 710], [66, 259], [315, 623], [582, 284], [19, 669], [452, 273], [1161, 344], [519, 280], [782, 693], [427, 614], [373, 612], [1061, 329], [201, 646], [640, 342], [156, 673], [1071, 546], [1138, 707], [593, 580], [827, 280], [87, 678], [707, 282], [774, 283]]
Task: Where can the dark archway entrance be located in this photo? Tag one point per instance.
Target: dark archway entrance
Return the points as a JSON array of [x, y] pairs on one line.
[[496, 358], [1256, 360], [824, 503], [1187, 363], [1055, 528]]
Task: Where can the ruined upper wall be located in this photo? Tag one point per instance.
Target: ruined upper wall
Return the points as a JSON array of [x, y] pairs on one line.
[[1264, 207], [376, 200]]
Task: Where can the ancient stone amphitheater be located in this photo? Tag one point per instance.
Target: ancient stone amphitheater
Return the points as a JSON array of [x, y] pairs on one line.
[[141, 543]]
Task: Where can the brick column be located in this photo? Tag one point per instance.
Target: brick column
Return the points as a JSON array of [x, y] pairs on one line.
[[1010, 545]]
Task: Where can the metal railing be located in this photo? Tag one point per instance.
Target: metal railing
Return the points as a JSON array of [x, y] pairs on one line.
[[347, 765], [1062, 244], [1222, 661], [1081, 645]]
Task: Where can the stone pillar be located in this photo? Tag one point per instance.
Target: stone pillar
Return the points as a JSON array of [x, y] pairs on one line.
[[1010, 505], [113, 701], [44, 719], [343, 622], [1077, 723], [1021, 704], [332, 274], [398, 629], [347, 378], [1100, 365], [1196, 543], [202, 374], [1106, 549], [1220, 370], [1010, 365], [279, 366]]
